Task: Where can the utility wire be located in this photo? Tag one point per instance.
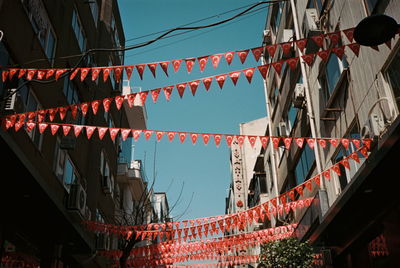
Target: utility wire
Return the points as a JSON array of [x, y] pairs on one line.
[[92, 50]]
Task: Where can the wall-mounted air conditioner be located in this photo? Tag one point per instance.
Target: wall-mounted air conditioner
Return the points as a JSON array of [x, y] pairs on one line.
[[287, 35], [299, 95], [373, 127], [310, 24], [77, 199]]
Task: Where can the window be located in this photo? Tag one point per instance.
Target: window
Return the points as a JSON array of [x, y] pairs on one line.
[[392, 75], [317, 4], [63, 167], [291, 116], [277, 17], [331, 75], [304, 165], [71, 93], [78, 30], [94, 9], [40, 21]]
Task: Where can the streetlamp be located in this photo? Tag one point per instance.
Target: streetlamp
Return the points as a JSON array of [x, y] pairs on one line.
[[375, 30]]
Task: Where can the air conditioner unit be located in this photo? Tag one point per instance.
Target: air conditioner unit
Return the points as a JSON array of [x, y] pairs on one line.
[[9, 105], [267, 37], [374, 126], [67, 143], [299, 96], [287, 35], [311, 22], [77, 199], [106, 184], [103, 242]]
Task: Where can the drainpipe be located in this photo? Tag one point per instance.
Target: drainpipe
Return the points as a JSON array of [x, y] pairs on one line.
[[310, 111]]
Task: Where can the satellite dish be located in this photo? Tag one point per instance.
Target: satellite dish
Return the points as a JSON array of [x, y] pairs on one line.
[[375, 30]]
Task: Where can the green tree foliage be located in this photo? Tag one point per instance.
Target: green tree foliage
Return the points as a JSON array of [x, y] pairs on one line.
[[286, 253]]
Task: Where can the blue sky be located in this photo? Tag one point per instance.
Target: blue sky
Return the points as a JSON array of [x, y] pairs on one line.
[[204, 170]]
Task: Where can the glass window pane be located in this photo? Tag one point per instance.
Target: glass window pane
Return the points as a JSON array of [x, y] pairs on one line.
[[332, 73], [68, 173]]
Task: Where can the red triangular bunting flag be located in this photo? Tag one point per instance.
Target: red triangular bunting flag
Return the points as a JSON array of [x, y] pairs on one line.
[[334, 37], [42, 127], [40, 74], [364, 152], [339, 51], [252, 140], [164, 66], [12, 72], [221, 80], [168, 92], [324, 54], [154, 94], [117, 73], [206, 138], [176, 64], [193, 137], [288, 142], [318, 40], [299, 189], [113, 133], [171, 135], [263, 69], [291, 194], [271, 49], [234, 76], [275, 141], [355, 48], [301, 44], [217, 139], [336, 168], [54, 129], [355, 157], [129, 70], [311, 143], [242, 55], [189, 64], [345, 163], [317, 180], [66, 130], [278, 66], [345, 143], [334, 142], [357, 143], [257, 52], [181, 89], [106, 73], [106, 104], [77, 130], [308, 58], [95, 106], [308, 185], [215, 60], [147, 134], [182, 136], [322, 143], [207, 82], [349, 34], [20, 74], [152, 67], [264, 141], [90, 131], [193, 86], [95, 73], [327, 174], [249, 73], [367, 143], [29, 75], [229, 57], [229, 139], [102, 131], [131, 99], [202, 62], [240, 140], [286, 47], [159, 135], [292, 62], [84, 73], [140, 70]]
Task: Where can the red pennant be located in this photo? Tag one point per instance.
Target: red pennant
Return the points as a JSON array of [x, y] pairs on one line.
[[40, 74], [29, 75], [168, 92], [113, 133], [164, 66], [327, 174], [336, 168], [318, 40], [30, 126], [18, 125], [206, 138], [84, 73], [263, 69], [106, 73], [334, 142], [234, 76], [301, 44], [308, 185], [182, 136], [275, 141], [288, 142], [193, 86], [264, 141], [355, 157], [240, 140], [243, 55], [308, 58], [117, 73], [324, 54], [317, 180], [66, 130], [252, 140], [215, 60], [95, 73], [181, 89], [159, 135], [291, 194], [20, 74], [339, 51], [274, 201], [171, 135], [286, 48], [271, 50], [249, 73], [202, 62], [42, 127], [345, 163], [322, 143], [154, 94], [220, 80], [12, 72], [299, 189], [278, 66], [257, 52], [95, 106], [357, 143], [207, 82], [77, 130], [229, 139], [311, 143], [131, 99], [229, 57], [106, 104], [135, 133], [349, 34], [54, 129], [355, 48], [345, 143], [102, 131], [193, 137], [129, 70], [189, 64], [89, 131], [147, 134], [364, 152], [367, 143], [217, 139], [176, 64], [118, 101], [152, 67], [140, 70], [334, 37], [292, 62]]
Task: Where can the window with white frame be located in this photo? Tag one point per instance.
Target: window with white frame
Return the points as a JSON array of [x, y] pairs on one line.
[[77, 27], [40, 21], [94, 9]]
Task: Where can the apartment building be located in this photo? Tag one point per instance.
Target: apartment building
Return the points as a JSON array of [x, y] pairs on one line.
[[353, 219], [50, 184]]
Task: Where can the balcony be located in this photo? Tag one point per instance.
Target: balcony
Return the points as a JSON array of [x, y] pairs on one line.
[[130, 174]]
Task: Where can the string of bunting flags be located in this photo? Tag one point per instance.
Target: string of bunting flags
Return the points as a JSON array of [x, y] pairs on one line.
[[213, 225], [77, 130], [334, 39]]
